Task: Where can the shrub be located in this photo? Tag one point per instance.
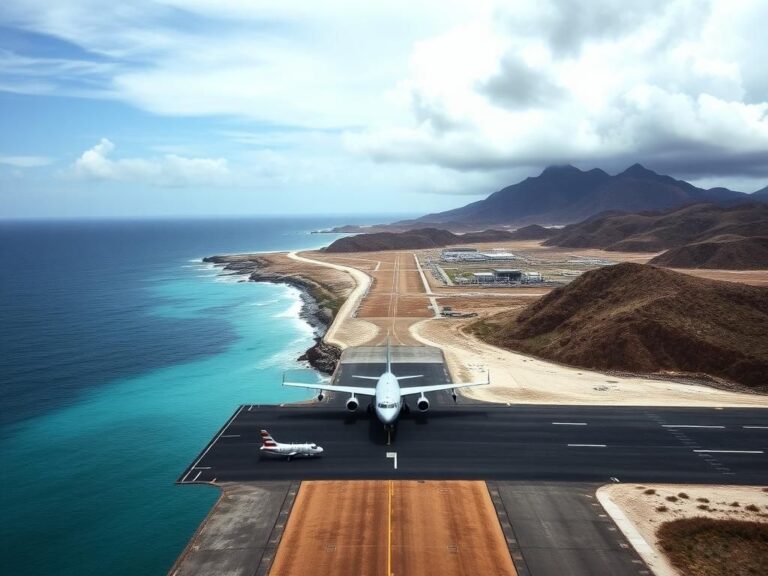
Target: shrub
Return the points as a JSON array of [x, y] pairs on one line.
[[671, 498], [650, 491], [661, 509], [734, 504], [683, 495], [707, 547], [705, 500], [752, 508]]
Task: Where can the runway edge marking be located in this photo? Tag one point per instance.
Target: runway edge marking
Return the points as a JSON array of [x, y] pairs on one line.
[[183, 477], [626, 526]]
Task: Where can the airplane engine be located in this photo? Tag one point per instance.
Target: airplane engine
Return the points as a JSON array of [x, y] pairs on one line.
[[423, 404], [352, 404], [320, 397]]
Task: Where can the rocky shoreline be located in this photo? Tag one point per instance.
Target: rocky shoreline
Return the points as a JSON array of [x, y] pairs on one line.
[[321, 356]]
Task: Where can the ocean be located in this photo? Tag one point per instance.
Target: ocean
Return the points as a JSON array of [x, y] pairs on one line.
[[121, 354]]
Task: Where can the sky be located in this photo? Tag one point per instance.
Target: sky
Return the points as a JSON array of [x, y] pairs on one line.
[[247, 107]]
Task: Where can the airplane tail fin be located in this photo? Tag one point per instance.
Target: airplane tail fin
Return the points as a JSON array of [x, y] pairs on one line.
[[267, 440]]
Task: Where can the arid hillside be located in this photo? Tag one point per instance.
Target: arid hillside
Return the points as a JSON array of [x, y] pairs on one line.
[[414, 240], [719, 254], [656, 231], [644, 319]]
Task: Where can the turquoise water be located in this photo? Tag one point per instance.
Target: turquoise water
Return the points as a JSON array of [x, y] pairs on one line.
[[103, 452], [121, 358]]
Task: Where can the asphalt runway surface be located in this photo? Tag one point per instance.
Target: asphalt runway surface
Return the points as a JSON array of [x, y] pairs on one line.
[[493, 442]]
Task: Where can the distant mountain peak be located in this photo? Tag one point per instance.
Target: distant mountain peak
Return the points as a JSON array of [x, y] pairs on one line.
[[563, 194], [637, 170], [560, 169]]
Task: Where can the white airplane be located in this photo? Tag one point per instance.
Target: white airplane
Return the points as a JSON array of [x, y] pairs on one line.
[[388, 393], [269, 446]]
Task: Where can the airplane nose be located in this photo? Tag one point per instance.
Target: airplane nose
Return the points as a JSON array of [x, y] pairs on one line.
[[319, 449]]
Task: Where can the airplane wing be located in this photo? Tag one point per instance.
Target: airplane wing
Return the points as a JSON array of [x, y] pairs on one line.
[[377, 378], [348, 389], [437, 387]]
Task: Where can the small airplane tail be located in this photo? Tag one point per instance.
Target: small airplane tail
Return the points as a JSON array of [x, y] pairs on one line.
[[267, 440]]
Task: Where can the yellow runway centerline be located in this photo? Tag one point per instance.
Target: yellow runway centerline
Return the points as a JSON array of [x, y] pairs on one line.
[[443, 528], [389, 532]]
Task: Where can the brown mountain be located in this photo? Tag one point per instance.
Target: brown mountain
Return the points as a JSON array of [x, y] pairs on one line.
[[533, 232], [565, 194], [655, 231], [413, 240], [640, 318], [723, 253]]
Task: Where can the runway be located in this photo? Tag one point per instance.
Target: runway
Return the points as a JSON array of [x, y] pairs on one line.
[[542, 465], [492, 442]]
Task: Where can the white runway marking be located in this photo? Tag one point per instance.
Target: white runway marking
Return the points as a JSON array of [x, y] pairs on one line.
[[755, 427], [731, 451], [194, 466], [688, 426], [569, 423], [587, 445], [196, 477], [231, 436], [202, 468], [393, 455]]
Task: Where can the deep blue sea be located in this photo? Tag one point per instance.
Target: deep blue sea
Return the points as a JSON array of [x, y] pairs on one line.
[[121, 354]]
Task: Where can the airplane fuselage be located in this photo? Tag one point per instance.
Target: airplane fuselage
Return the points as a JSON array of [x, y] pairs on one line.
[[388, 400]]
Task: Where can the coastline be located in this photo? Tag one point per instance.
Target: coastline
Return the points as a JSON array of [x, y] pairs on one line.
[[319, 297]]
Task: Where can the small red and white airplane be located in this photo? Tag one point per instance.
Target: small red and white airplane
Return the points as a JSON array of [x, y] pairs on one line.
[[272, 448]]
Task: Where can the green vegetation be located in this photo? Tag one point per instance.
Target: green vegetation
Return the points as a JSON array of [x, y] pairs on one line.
[[707, 547]]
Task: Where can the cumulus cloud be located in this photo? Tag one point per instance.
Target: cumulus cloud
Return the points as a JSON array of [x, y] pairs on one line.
[[670, 84], [469, 92], [167, 171]]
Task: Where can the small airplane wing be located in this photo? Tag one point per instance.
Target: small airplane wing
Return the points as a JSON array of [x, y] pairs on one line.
[[348, 389], [437, 387]]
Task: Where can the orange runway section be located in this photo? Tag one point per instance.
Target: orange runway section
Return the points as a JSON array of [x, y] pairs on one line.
[[396, 290], [393, 528]]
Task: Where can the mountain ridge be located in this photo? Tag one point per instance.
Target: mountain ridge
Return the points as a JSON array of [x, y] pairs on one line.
[[565, 194], [655, 231]]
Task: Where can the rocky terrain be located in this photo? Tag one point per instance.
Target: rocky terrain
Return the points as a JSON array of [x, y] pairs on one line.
[[643, 319], [722, 254], [656, 231], [322, 293], [532, 232]]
